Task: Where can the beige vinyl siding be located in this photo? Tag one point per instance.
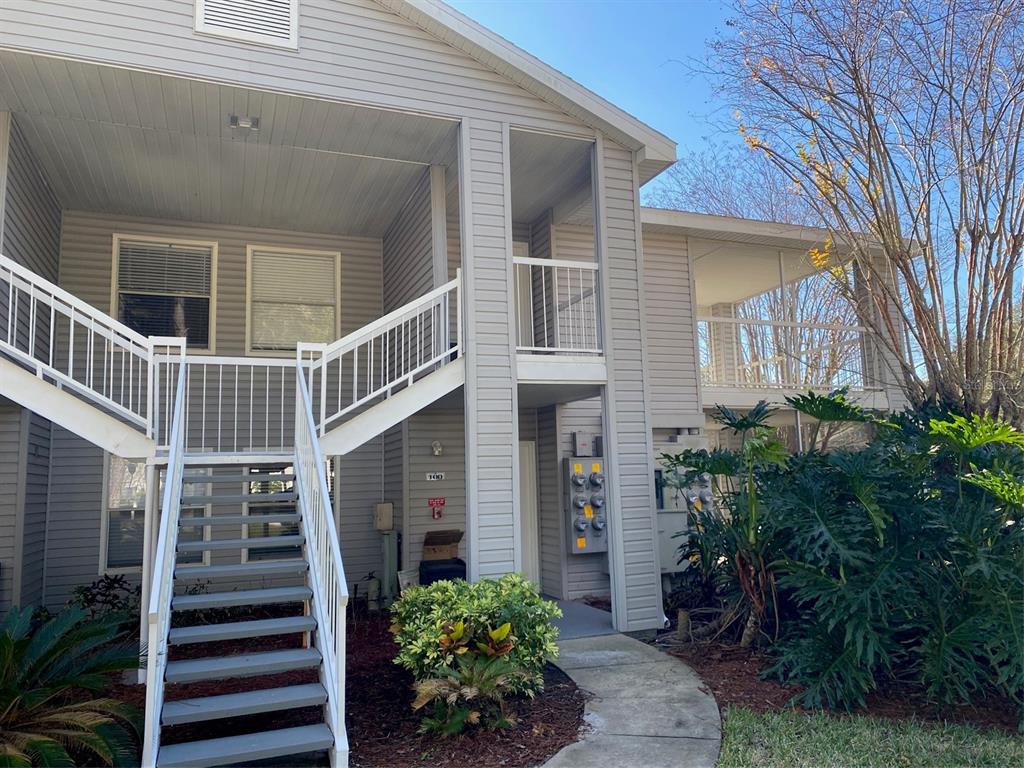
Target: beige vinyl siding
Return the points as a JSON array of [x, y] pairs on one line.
[[349, 50], [11, 471], [671, 332], [549, 511], [36, 498], [490, 377], [624, 274], [74, 524], [357, 490], [445, 425], [573, 243], [408, 253], [31, 236]]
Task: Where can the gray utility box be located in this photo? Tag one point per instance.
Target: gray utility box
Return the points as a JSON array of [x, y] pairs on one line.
[[586, 504]]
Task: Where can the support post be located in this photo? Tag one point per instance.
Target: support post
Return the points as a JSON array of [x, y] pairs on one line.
[[151, 525], [488, 342]]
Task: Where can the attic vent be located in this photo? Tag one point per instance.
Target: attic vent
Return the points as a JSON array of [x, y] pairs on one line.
[[270, 22]]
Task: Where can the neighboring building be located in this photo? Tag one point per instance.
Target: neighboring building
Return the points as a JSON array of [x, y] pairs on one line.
[[444, 232]]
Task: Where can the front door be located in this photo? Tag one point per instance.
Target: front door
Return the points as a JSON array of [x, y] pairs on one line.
[[530, 536]]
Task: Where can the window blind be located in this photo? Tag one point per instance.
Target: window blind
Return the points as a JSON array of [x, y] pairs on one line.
[[164, 268], [293, 299]]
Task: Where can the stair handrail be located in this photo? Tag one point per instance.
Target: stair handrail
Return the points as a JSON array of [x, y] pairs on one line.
[[317, 357], [162, 583], [128, 394], [323, 552]]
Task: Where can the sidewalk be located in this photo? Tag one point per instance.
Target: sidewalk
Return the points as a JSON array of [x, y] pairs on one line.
[[644, 708]]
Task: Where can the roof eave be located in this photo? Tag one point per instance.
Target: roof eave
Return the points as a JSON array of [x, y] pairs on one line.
[[540, 79]]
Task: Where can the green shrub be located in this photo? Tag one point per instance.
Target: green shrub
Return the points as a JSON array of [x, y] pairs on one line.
[[900, 560], [424, 616], [109, 593], [47, 672]]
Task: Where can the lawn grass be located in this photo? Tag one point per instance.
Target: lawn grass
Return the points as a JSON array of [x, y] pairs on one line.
[[791, 739]]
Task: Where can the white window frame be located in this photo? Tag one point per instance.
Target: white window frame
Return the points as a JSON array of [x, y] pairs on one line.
[[291, 44], [285, 252], [104, 568], [213, 245]]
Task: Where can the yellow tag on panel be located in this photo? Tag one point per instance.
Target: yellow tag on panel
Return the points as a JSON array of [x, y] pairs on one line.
[[581, 542], [595, 467], [577, 467], [588, 511]]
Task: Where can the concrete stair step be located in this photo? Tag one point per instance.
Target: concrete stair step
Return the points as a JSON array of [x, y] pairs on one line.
[[221, 520], [245, 665], [246, 749], [241, 597], [235, 630], [242, 704], [255, 542]]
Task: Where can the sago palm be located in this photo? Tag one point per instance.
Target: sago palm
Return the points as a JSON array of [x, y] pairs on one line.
[[47, 674]]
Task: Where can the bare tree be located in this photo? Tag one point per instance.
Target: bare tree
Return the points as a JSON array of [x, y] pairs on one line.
[[901, 122], [730, 181]]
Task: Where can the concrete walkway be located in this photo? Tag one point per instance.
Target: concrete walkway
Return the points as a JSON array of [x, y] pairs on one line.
[[644, 707]]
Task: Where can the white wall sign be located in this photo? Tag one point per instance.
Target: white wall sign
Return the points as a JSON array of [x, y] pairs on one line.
[[435, 475]]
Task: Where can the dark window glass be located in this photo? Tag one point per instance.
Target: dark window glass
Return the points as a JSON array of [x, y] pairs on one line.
[[153, 315]]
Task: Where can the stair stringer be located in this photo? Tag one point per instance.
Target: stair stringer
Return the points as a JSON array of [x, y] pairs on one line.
[[85, 420], [384, 415]]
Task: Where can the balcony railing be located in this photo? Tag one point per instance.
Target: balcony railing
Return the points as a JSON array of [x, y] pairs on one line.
[[771, 354], [556, 307]]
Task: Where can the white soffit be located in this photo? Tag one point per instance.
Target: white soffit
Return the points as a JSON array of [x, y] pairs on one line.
[[656, 151]]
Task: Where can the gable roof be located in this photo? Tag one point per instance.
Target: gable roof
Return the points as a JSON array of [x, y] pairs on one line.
[[656, 151]]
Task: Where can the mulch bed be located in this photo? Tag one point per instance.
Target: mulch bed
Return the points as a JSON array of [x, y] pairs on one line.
[[383, 731], [732, 674]]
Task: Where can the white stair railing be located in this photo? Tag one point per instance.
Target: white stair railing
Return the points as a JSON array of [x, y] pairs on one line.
[[77, 347], [389, 353], [326, 570], [232, 404], [162, 586]]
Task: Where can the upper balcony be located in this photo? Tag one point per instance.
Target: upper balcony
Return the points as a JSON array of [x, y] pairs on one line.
[[770, 324]]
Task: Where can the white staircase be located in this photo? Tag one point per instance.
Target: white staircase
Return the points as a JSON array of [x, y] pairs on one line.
[[209, 421], [223, 616]]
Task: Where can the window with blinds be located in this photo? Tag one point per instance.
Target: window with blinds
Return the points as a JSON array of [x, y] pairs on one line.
[[293, 297], [269, 22], [165, 288]]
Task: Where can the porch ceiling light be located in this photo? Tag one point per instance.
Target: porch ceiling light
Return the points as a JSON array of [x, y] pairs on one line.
[[251, 124]]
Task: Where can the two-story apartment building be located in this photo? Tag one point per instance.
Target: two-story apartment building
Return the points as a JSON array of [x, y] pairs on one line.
[[247, 240]]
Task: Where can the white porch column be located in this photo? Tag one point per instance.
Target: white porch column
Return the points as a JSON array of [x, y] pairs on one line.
[[633, 546], [724, 339], [491, 398], [881, 366]]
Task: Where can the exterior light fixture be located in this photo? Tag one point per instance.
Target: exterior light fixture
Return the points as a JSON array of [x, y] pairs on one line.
[[251, 124]]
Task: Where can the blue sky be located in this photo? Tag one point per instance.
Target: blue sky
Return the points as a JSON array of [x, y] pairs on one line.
[[649, 39]]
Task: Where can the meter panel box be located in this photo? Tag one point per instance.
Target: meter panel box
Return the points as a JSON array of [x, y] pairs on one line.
[[585, 504]]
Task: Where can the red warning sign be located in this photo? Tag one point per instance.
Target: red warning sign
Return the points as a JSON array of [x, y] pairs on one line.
[[436, 507]]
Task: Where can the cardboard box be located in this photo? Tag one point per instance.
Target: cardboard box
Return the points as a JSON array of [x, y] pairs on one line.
[[441, 545]]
